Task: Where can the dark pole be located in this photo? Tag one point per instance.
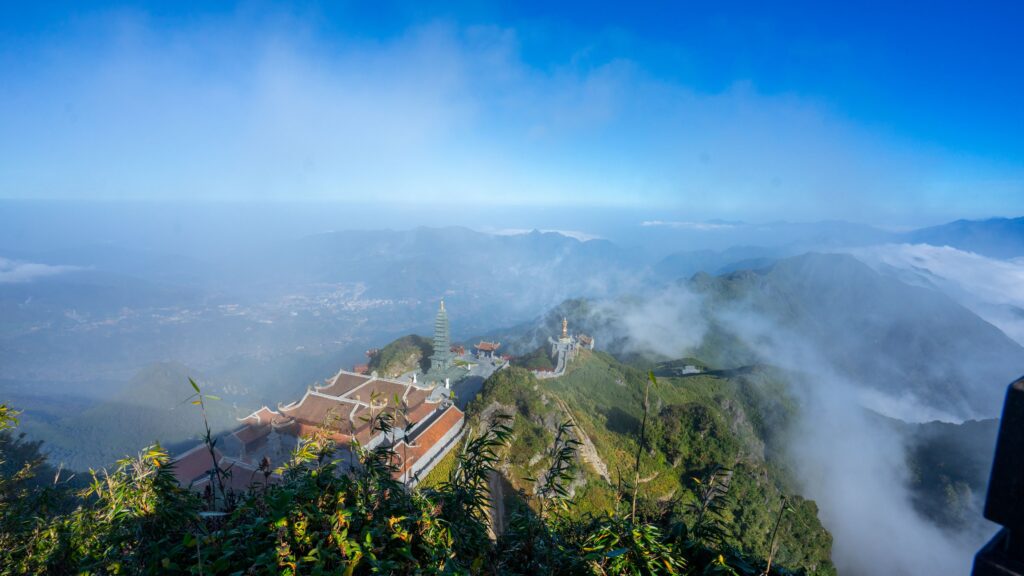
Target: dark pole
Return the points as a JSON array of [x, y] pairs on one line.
[[1004, 504]]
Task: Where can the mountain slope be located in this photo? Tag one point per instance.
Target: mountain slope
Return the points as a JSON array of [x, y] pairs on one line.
[[150, 408], [882, 333], [995, 237], [696, 423]]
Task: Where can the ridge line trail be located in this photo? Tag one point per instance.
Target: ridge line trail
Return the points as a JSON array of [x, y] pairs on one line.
[[497, 494], [587, 449]]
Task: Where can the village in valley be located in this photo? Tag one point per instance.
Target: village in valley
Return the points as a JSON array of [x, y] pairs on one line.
[[428, 403]]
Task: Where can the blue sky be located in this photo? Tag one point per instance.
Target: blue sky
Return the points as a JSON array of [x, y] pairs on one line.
[[899, 113]]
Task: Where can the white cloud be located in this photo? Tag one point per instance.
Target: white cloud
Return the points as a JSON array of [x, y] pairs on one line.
[[575, 234], [853, 467], [991, 288], [668, 322], [19, 272], [698, 226]]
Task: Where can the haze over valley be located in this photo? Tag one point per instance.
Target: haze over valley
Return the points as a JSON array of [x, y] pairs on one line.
[[670, 289]]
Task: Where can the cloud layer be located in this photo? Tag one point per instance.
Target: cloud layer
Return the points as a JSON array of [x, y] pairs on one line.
[[19, 272], [991, 288]]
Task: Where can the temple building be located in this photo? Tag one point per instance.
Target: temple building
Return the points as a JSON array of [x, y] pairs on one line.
[[486, 349], [564, 350], [564, 338], [343, 407]]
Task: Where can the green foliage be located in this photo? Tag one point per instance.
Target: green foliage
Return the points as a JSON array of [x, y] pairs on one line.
[[538, 359], [442, 470], [325, 517], [695, 423], [949, 466], [8, 417], [408, 353]]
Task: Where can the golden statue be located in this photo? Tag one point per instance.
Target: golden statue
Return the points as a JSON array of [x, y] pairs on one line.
[[565, 328]]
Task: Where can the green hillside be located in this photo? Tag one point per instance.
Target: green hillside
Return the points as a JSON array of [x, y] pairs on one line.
[[403, 355], [949, 468], [148, 409], [696, 423]]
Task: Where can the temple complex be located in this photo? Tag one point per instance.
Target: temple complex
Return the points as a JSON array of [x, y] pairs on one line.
[[344, 406], [564, 349]]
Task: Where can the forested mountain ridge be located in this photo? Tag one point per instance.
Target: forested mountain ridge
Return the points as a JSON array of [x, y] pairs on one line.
[[696, 424]]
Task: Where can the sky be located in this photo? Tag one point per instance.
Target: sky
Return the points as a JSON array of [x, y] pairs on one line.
[[889, 113]]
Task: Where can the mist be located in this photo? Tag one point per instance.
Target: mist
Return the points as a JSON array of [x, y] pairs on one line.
[[855, 468], [15, 271], [258, 195], [842, 449], [992, 288], [666, 323]]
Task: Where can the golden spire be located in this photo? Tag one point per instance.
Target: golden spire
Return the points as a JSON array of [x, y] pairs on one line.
[[565, 327]]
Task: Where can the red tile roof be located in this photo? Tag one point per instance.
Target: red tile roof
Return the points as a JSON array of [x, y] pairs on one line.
[[421, 411], [240, 476], [382, 390], [484, 346], [193, 464], [343, 383], [251, 432], [345, 403], [262, 416], [314, 409], [426, 438]]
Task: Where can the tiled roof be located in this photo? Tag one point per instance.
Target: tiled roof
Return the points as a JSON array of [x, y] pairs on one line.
[[488, 346], [251, 432], [421, 411], [262, 416], [343, 383], [193, 464], [426, 438], [382, 390], [345, 401], [315, 409], [240, 477]]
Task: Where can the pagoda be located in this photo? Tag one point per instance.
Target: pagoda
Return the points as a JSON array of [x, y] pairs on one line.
[[565, 339], [441, 359]]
